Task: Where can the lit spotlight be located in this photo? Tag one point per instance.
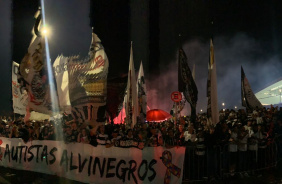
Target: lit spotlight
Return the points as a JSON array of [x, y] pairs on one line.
[[44, 31]]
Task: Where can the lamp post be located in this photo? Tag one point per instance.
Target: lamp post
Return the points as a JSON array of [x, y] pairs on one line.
[[223, 106]]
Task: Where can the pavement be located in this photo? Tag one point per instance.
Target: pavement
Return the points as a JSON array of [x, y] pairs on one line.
[[13, 176], [269, 176]]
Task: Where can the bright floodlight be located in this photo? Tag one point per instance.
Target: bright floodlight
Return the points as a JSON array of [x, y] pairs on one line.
[[223, 104], [44, 31]]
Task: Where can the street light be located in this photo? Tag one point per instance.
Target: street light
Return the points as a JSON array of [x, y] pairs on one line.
[[223, 106]]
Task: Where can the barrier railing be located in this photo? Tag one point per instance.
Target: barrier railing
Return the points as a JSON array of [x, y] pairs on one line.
[[221, 161]]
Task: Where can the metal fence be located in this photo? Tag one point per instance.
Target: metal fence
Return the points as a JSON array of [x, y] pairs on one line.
[[202, 164]]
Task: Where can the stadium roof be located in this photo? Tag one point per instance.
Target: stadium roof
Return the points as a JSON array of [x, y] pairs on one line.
[[271, 94]]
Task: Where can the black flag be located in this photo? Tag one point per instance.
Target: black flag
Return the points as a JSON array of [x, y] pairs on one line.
[[249, 100], [186, 83]]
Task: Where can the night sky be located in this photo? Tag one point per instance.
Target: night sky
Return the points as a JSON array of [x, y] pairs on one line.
[[245, 32]]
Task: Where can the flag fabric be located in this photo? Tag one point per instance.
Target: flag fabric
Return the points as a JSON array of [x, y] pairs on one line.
[[194, 72], [212, 108], [186, 83], [141, 90], [60, 67], [20, 97], [131, 106], [88, 83], [33, 74], [249, 100]]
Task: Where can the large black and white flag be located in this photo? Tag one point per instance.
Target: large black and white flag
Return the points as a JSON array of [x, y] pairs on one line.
[[186, 83]]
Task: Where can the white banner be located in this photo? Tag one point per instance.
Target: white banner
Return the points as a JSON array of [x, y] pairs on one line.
[[85, 163], [20, 97]]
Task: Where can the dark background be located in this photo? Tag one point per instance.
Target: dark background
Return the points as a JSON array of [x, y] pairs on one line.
[[245, 32]]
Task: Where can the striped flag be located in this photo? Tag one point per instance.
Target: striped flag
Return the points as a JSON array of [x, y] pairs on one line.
[[88, 83]]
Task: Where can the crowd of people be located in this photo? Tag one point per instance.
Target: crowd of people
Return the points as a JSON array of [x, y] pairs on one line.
[[236, 128], [239, 133]]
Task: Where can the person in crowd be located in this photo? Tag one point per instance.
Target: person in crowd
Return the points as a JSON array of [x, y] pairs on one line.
[[83, 136], [140, 140], [233, 149], [242, 147], [74, 131], [68, 135], [2, 129], [170, 140], [278, 133], [261, 137], [200, 144], [210, 143], [249, 127], [7, 131], [190, 135], [36, 129], [14, 133], [128, 140], [223, 134], [115, 138], [4, 119], [23, 131], [52, 134], [180, 135], [31, 134], [156, 138], [44, 134], [102, 137]]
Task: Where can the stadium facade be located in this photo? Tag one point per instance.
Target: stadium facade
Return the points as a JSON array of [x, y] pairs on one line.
[[271, 95]]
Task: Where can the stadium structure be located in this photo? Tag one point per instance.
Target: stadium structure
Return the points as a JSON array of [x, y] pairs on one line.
[[271, 95]]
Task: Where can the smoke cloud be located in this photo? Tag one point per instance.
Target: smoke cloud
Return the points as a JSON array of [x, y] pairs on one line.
[[261, 69]]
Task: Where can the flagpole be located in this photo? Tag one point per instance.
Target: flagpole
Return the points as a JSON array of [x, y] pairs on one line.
[[179, 46]]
